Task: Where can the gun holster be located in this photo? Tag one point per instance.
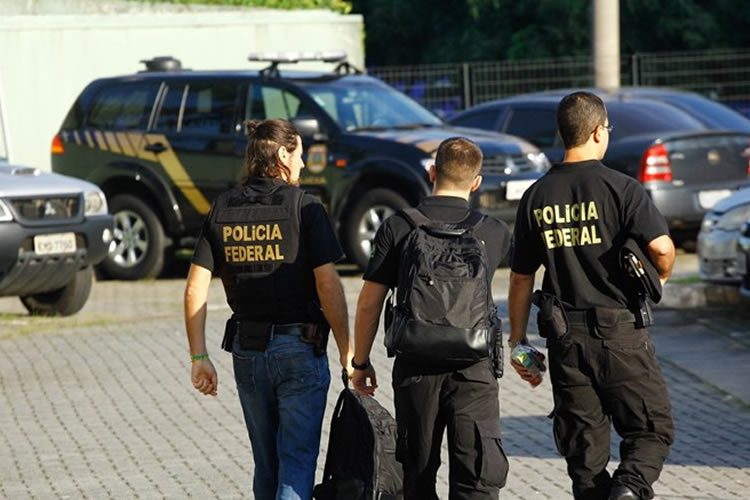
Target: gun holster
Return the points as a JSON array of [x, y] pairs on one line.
[[253, 335], [318, 336], [551, 318], [644, 316]]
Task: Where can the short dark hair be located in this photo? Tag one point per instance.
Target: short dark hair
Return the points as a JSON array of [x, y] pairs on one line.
[[264, 139], [458, 162], [578, 115]]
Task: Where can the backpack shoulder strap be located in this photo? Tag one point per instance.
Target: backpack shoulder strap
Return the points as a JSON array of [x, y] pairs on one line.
[[415, 217], [473, 219]]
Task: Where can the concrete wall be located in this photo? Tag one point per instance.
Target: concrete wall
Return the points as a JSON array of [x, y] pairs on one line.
[[46, 60]]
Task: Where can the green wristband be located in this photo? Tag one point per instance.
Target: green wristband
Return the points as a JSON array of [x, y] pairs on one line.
[[198, 357]]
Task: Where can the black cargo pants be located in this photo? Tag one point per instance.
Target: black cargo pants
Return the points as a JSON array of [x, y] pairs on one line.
[[466, 403], [605, 370]]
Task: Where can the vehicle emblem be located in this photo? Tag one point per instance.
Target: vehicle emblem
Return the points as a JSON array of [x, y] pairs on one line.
[[713, 157], [49, 209]]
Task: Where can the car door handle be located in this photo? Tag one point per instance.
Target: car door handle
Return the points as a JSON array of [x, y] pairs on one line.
[[156, 147]]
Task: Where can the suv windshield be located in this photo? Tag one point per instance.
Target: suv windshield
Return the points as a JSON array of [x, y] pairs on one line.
[[368, 105]]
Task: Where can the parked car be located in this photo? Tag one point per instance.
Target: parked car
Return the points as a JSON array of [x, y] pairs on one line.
[[718, 239], [53, 229], [688, 151], [744, 255], [164, 142]]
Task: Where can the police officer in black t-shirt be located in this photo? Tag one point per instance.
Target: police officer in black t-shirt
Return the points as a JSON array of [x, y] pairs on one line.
[[574, 221], [428, 399], [274, 248]]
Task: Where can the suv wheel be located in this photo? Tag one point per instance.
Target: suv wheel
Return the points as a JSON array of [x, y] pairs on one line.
[[366, 216], [139, 241], [65, 301]]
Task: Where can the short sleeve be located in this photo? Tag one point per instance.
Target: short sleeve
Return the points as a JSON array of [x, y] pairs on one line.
[[642, 220], [317, 231], [496, 235], [384, 259], [526, 247], [203, 254]]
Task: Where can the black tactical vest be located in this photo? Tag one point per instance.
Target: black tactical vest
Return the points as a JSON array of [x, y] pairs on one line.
[[264, 266]]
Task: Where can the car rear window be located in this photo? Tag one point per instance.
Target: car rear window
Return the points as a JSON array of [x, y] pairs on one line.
[[636, 117], [123, 107], [711, 113], [485, 119]]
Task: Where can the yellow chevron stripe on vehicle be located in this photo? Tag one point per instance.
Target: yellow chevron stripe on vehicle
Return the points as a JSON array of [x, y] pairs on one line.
[[112, 141], [138, 141], [100, 140], [89, 140], [122, 138], [179, 176], [77, 137]]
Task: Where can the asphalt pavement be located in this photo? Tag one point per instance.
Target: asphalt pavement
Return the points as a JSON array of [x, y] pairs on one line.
[[100, 405]]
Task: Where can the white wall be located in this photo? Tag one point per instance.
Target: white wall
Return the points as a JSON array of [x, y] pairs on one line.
[[46, 60]]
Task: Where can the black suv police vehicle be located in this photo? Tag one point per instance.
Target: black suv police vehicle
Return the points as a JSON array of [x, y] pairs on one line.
[[162, 143]]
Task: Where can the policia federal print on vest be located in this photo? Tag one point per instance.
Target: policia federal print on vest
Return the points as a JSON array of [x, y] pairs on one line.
[[264, 269]]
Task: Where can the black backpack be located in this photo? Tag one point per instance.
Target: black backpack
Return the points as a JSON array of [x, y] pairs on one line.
[[361, 459], [443, 313]]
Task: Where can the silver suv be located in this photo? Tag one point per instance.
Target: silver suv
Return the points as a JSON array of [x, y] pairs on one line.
[[53, 229]]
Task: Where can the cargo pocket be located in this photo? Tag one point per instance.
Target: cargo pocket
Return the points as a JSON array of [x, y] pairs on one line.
[[559, 433], [493, 461], [626, 352]]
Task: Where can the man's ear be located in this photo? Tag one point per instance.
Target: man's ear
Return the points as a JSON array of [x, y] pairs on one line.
[[432, 173], [597, 134], [477, 182]]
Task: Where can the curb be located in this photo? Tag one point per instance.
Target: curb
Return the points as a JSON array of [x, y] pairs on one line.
[[701, 295]]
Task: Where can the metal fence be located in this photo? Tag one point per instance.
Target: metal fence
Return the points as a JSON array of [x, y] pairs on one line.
[[723, 75]]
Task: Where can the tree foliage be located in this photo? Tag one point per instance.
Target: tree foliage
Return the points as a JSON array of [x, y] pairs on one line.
[[429, 31]]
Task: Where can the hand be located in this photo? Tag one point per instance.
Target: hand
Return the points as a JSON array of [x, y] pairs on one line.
[[359, 381], [533, 380], [204, 377], [346, 363]]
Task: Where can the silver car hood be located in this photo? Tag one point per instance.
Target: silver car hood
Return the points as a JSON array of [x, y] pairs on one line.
[[741, 197], [18, 181]]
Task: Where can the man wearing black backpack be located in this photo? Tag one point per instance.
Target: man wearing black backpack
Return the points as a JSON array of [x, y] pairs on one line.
[[442, 330]]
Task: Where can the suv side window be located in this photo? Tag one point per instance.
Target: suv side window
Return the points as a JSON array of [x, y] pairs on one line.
[[124, 107], [265, 102], [536, 125], [209, 108], [169, 111], [486, 119]]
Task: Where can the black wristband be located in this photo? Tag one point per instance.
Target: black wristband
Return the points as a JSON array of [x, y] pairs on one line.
[[363, 366]]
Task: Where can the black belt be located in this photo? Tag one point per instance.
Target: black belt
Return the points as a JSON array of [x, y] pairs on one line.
[[588, 316], [291, 329]]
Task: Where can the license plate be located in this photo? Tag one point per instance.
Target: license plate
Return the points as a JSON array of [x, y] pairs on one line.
[[707, 199], [515, 189], [46, 244]]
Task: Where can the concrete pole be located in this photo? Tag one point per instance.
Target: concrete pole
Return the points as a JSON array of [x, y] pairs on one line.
[[606, 43]]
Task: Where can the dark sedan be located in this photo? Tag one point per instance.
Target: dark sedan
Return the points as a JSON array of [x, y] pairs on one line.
[[688, 151]]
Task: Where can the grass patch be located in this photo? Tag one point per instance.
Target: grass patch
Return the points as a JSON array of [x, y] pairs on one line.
[[687, 280]]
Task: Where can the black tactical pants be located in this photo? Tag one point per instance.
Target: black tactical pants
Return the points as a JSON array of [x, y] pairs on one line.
[[466, 403], [605, 370]]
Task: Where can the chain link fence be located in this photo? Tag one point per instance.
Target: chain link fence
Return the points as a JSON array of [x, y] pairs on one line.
[[723, 75]]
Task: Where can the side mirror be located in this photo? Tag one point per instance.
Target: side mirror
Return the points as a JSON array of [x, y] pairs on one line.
[[308, 127]]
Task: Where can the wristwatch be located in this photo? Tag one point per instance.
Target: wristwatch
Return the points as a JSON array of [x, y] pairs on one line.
[[363, 366]]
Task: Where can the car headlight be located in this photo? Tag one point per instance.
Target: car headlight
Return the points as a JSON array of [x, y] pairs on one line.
[[733, 219], [427, 163], [96, 203], [540, 161], [5, 213], [709, 222]]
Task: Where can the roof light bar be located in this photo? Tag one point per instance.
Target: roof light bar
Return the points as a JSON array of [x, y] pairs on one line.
[[328, 56]]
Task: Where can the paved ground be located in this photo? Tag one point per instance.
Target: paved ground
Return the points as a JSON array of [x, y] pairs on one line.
[[100, 405]]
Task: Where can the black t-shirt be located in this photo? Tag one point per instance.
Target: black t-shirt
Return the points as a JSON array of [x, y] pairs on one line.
[[318, 242], [574, 221], [383, 266]]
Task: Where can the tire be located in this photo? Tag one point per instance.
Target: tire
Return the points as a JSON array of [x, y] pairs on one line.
[[65, 301], [139, 239], [366, 216]]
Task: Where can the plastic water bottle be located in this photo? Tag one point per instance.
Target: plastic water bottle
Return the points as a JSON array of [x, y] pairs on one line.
[[527, 355]]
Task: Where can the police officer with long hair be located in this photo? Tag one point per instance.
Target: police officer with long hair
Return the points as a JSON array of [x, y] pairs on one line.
[[575, 221], [274, 249]]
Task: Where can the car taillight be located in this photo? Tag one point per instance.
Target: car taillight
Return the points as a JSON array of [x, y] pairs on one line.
[[655, 165], [57, 146]]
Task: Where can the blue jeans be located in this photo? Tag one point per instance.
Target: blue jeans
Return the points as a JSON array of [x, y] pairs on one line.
[[283, 395]]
